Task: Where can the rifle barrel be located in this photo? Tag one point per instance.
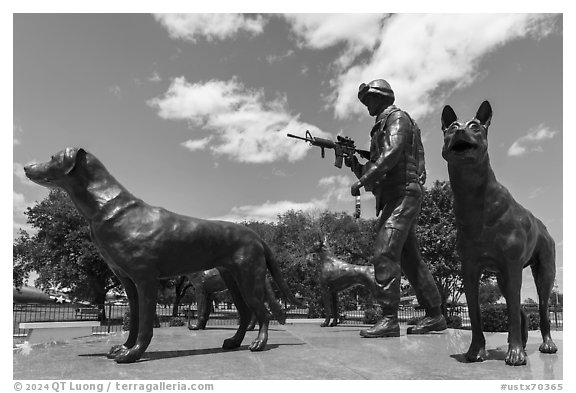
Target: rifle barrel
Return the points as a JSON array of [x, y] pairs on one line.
[[299, 137]]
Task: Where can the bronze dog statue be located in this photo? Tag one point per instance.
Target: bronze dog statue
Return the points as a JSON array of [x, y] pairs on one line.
[[495, 233], [209, 282], [337, 275], [141, 243]]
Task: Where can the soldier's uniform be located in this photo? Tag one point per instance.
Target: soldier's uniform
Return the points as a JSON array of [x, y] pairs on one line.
[[394, 174]]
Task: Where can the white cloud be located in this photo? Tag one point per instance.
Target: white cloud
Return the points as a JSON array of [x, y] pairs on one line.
[[17, 131], [196, 144], [359, 32], [423, 56], [269, 211], [335, 189], [210, 26], [271, 59], [155, 77], [531, 142], [246, 126], [116, 90], [338, 187], [19, 205], [19, 173]]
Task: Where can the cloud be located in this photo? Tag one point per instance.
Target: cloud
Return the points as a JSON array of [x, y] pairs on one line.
[[531, 142], [271, 59], [18, 170], [358, 32], [209, 26], [334, 189], [245, 125], [155, 77], [19, 219], [196, 144], [269, 211], [17, 131], [116, 90], [423, 56]]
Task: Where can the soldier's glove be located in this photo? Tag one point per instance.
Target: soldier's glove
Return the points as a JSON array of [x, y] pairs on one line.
[[353, 163]]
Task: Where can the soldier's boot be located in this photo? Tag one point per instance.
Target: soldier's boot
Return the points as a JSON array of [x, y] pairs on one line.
[[387, 327], [434, 321]]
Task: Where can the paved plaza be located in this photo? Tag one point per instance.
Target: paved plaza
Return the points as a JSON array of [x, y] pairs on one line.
[[302, 351]]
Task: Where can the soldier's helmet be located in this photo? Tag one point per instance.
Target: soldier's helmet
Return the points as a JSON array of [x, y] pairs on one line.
[[377, 86]]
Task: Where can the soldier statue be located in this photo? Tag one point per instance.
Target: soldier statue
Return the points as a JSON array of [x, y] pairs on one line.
[[395, 174]]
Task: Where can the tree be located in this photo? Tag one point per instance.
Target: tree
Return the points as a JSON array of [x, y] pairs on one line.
[[489, 292], [292, 237], [437, 235], [177, 287], [61, 252]]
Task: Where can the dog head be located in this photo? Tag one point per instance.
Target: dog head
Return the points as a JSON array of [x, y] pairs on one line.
[[466, 142], [53, 173], [319, 248]]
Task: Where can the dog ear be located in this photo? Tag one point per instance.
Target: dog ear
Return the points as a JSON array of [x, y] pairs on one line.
[[71, 157], [484, 114], [448, 117]]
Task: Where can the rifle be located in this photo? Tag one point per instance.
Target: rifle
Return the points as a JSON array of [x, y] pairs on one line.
[[344, 147]]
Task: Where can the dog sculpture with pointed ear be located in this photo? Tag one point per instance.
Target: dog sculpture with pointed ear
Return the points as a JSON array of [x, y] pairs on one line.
[[142, 243], [495, 233], [337, 275]]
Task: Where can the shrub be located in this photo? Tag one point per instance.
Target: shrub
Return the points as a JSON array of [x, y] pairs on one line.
[[454, 321], [413, 320], [495, 318], [126, 321], [371, 316], [177, 321]]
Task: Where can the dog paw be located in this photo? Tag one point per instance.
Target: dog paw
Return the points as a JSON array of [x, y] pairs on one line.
[[115, 350], [516, 356], [323, 324], [334, 324], [476, 355], [231, 343], [258, 345], [548, 346]]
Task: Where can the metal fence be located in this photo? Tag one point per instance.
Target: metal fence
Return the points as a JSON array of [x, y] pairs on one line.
[[223, 315]]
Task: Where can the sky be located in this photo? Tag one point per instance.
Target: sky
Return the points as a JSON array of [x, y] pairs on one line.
[[190, 111]]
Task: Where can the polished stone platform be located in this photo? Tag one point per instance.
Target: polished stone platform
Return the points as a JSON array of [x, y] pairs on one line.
[[294, 352]]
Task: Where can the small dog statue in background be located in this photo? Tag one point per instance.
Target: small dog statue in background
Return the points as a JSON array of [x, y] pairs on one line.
[[337, 275], [209, 282]]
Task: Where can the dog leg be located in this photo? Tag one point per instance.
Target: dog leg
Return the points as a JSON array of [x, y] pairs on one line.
[[244, 312], [147, 296], [544, 271], [335, 311], [132, 296], [252, 323], [326, 296], [471, 279], [511, 282], [204, 308], [251, 284]]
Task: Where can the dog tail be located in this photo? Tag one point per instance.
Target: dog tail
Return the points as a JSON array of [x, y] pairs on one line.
[[273, 304], [277, 276]]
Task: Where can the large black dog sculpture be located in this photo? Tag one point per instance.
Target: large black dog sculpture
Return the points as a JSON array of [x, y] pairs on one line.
[[495, 233], [142, 243]]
